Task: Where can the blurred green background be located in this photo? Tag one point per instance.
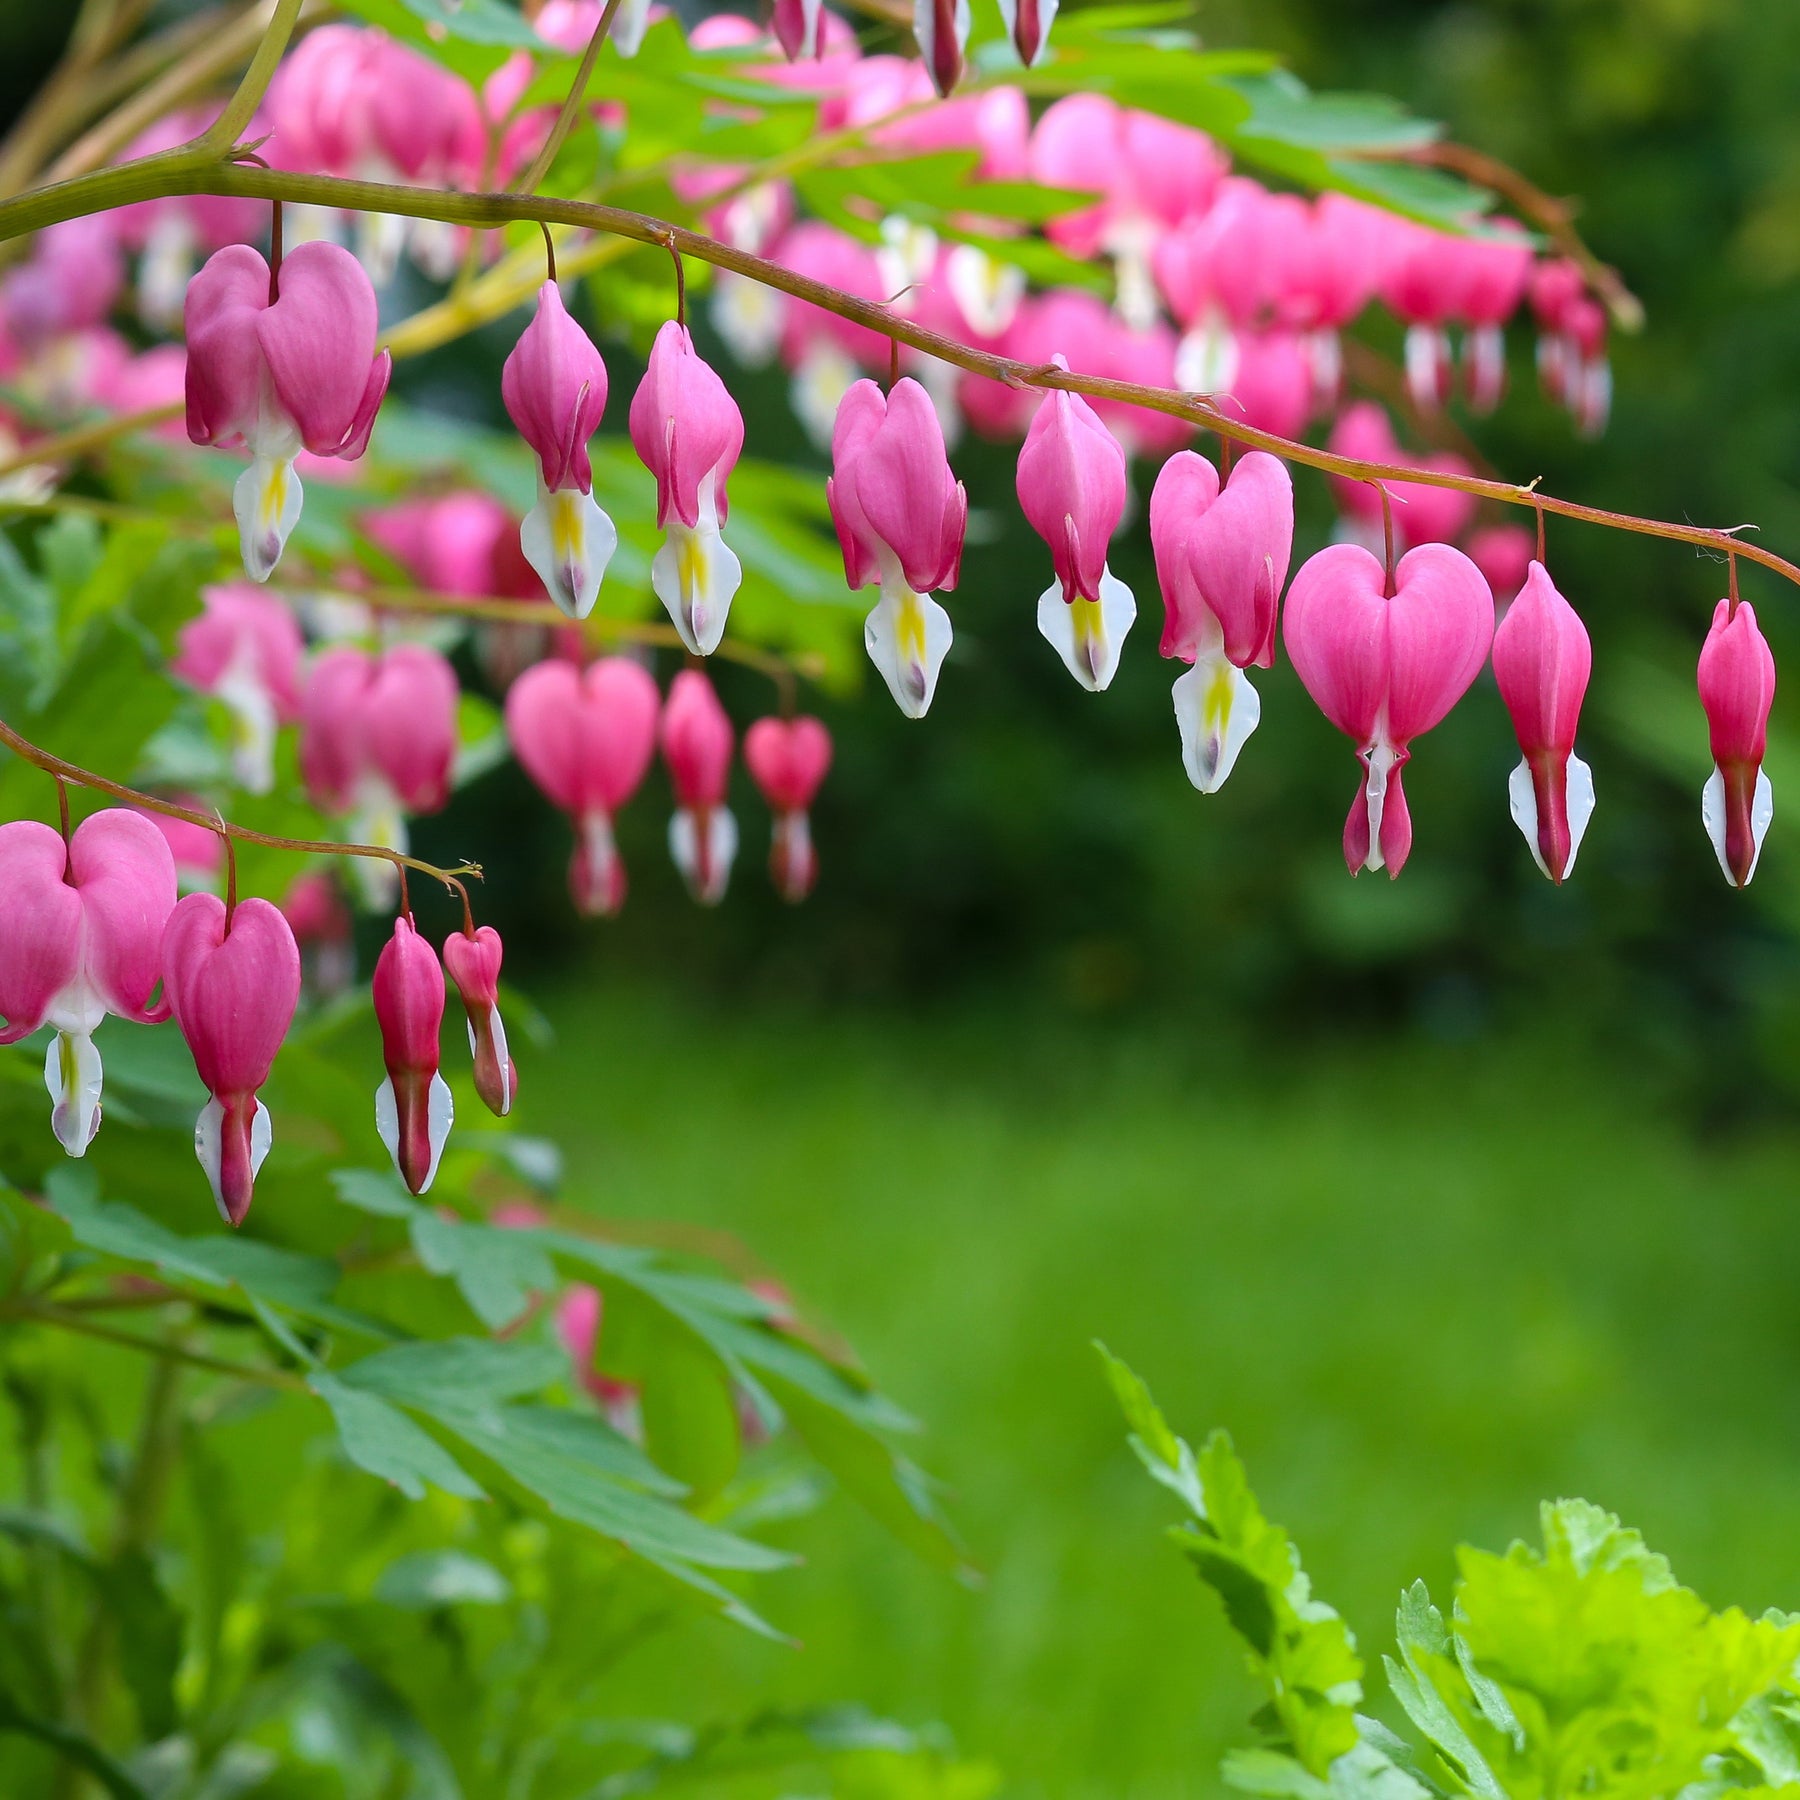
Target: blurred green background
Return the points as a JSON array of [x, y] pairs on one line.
[[1443, 1195]]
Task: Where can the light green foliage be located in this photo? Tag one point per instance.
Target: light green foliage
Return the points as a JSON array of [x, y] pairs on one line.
[[1578, 1668]]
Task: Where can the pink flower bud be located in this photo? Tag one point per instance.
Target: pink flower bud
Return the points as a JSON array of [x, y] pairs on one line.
[[579, 1316], [1221, 561], [453, 543], [279, 373], [900, 516], [697, 742], [1737, 688], [379, 733], [473, 963], [554, 387], [787, 759], [244, 649], [1384, 668], [83, 938], [586, 740], [233, 988], [687, 430], [413, 1108], [796, 25], [1028, 24], [1071, 486], [941, 30], [1503, 554], [1542, 660]]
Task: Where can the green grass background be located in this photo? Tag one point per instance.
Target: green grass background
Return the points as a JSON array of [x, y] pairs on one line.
[[1425, 1285]]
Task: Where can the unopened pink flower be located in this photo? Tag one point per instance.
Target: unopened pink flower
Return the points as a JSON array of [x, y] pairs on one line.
[[580, 1314], [941, 30], [900, 515], [413, 1106], [697, 741], [688, 432], [83, 938], [279, 371], [472, 960], [233, 984], [1542, 660], [796, 25], [1071, 486], [244, 649], [451, 543], [1221, 561], [1384, 667], [554, 387], [788, 760], [1737, 688], [1422, 513], [586, 739]]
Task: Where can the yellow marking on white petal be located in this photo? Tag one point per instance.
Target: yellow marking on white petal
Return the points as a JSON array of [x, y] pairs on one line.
[[909, 632], [1090, 633]]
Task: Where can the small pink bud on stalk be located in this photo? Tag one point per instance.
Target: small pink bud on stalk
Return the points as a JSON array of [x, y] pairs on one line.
[[233, 981], [413, 1108], [900, 515], [84, 925], [472, 960], [1542, 660], [1221, 561], [697, 742], [688, 432], [281, 363], [1737, 688], [1028, 24], [554, 387], [1385, 660], [1071, 485], [586, 739], [788, 759]]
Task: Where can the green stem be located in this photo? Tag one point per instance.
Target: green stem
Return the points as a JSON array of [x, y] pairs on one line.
[[38, 1312], [559, 132], [222, 134]]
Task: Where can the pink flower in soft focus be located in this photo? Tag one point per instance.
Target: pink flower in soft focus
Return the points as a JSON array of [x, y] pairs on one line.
[[1071, 486], [823, 352], [322, 927], [1737, 688], [995, 122], [900, 515], [319, 103], [586, 740], [688, 432], [1221, 272], [378, 741], [1221, 561], [1503, 554], [1275, 383], [569, 24], [1556, 287], [413, 1107], [554, 387], [1329, 279], [154, 378], [941, 30], [244, 649], [1384, 667], [75, 274], [472, 960], [1423, 282], [278, 372], [453, 544], [197, 850], [1150, 173], [1589, 376], [579, 1315], [233, 985], [1496, 270], [788, 759], [83, 938], [1422, 514], [1542, 660], [697, 742]]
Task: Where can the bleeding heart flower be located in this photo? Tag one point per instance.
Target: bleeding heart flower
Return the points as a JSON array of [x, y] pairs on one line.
[[245, 649], [1423, 513], [1737, 688], [472, 959], [281, 362], [787, 759], [586, 740], [697, 741], [1385, 666], [554, 387], [1221, 561], [1542, 660], [413, 1107], [233, 982], [941, 30], [688, 432], [83, 938], [900, 516], [323, 930], [1071, 485]]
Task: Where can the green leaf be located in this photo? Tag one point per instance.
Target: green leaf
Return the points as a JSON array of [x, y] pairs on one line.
[[431, 1578], [150, 1639], [1168, 1459], [455, 1372], [29, 1234], [73, 1744], [496, 1269], [382, 1439]]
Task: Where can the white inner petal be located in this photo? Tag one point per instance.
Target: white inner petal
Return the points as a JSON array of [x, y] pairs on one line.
[[1380, 760], [1712, 815], [209, 1146], [72, 1073], [266, 499], [987, 292], [703, 847], [1088, 634], [820, 382], [1216, 709], [695, 575], [747, 316], [1207, 358], [1578, 802], [908, 636], [569, 541]]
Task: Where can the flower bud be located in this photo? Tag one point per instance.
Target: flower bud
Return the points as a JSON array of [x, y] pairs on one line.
[[413, 1109], [473, 962], [941, 29], [1737, 688], [233, 983], [1542, 660], [554, 387], [245, 649], [1071, 485], [688, 432], [788, 759], [696, 744]]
